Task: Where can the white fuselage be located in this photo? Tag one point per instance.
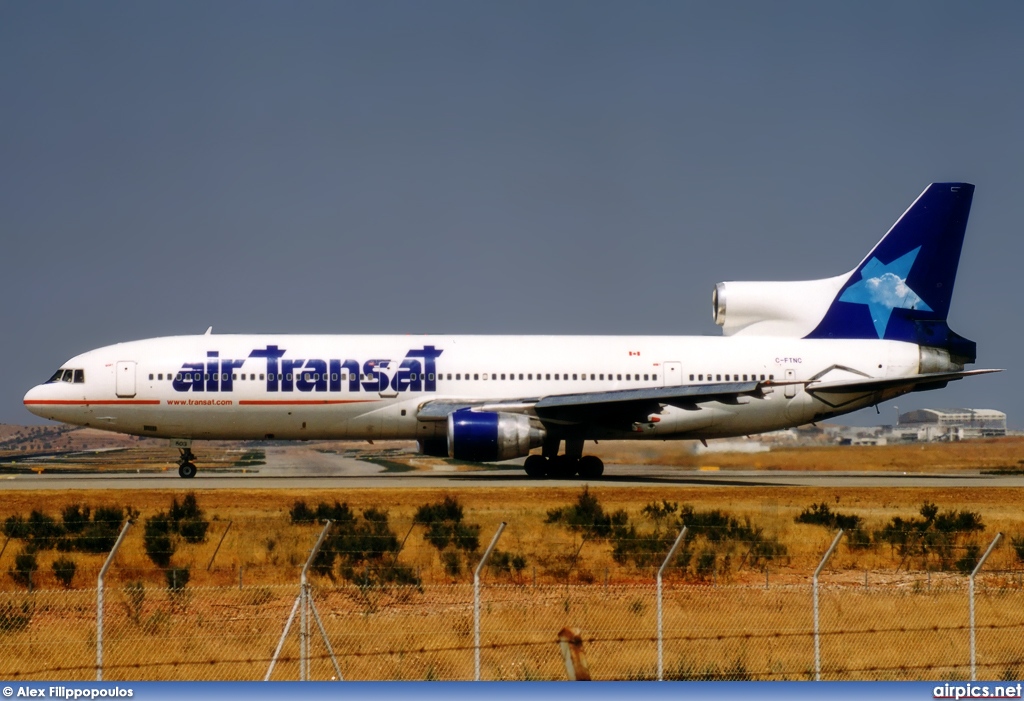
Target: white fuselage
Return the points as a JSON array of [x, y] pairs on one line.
[[371, 387]]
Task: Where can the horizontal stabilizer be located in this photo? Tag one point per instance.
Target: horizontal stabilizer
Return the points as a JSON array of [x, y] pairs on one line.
[[908, 383]]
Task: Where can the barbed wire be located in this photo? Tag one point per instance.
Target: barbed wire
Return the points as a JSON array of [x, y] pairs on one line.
[[493, 647]]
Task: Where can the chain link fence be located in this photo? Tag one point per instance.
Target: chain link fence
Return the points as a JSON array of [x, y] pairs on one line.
[[911, 629]]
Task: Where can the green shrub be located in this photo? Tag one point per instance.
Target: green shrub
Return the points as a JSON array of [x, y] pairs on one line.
[[157, 540], [587, 516], [452, 563], [64, 570], [1018, 547], [822, 515], [25, 566], [187, 519], [75, 517]]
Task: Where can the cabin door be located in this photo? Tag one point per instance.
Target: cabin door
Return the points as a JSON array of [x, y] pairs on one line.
[[125, 381], [673, 373], [790, 390]]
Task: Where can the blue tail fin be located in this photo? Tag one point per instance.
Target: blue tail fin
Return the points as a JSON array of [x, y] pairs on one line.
[[902, 290]]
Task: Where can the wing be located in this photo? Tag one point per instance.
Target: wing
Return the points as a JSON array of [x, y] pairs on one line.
[[624, 407], [616, 408]]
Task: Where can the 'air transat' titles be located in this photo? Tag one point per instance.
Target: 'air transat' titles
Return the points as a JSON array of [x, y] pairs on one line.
[[416, 373]]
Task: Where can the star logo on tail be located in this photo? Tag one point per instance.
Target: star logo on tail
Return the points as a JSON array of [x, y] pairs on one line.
[[883, 287]]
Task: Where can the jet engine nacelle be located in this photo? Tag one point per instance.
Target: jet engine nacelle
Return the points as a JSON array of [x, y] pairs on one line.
[[487, 436]]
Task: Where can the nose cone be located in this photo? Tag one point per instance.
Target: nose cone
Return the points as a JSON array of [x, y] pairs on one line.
[[34, 401]]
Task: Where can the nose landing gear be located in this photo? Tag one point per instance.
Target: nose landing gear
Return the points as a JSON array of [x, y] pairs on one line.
[[186, 468]]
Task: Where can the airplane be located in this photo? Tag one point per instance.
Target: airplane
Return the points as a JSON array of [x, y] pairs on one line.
[[791, 353]]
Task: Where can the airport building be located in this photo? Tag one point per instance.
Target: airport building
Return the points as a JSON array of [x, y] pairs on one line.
[[949, 424]]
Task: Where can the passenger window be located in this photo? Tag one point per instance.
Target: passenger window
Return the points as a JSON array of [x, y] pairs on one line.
[[151, 376], [718, 378], [744, 378], [654, 377], [261, 376], [235, 377], [476, 376], [574, 376], [160, 376], [503, 376], [762, 377], [645, 378], [691, 378], [618, 377], [547, 376], [771, 377], [430, 376], [520, 376]]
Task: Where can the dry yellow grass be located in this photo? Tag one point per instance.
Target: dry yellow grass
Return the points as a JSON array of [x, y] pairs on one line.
[[895, 628], [263, 542]]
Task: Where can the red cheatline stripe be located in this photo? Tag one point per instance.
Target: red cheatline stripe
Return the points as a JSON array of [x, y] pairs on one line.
[[85, 402], [275, 402]]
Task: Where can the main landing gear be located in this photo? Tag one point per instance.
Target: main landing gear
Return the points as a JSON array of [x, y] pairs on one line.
[[186, 468], [572, 463]]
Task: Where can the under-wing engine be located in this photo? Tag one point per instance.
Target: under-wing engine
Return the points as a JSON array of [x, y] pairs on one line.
[[487, 436]]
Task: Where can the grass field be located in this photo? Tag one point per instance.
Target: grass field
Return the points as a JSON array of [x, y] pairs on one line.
[[885, 615]]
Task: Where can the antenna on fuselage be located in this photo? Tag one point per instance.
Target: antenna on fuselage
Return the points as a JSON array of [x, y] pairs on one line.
[[208, 331]]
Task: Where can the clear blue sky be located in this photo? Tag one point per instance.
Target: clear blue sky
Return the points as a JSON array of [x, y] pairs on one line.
[[484, 167]]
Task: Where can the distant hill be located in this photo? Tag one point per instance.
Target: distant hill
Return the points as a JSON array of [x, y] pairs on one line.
[[16, 439]]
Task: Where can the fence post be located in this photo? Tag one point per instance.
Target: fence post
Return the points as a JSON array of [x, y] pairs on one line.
[[977, 568], [304, 606], [817, 632], [99, 601], [476, 602], [219, 543], [668, 558]]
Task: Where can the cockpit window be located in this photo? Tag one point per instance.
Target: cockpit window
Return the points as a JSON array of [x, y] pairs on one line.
[[66, 375]]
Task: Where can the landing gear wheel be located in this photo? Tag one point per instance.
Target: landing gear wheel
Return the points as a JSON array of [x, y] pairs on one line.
[[562, 468], [535, 466], [591, 467], [187, 470]]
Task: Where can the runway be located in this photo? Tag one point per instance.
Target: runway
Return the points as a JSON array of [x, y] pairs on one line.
[[294, 469]]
